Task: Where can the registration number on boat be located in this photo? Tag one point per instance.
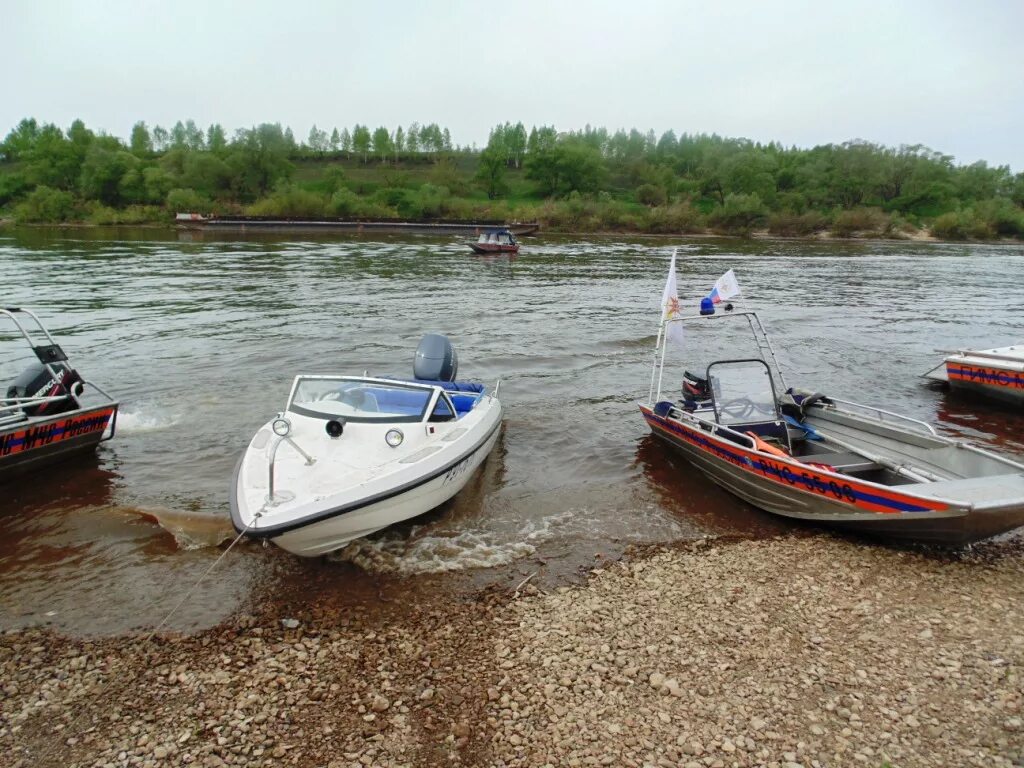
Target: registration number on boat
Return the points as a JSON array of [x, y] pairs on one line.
[[457, 471]]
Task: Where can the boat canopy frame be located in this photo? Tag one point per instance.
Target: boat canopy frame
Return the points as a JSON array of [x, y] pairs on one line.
[[760, 335]]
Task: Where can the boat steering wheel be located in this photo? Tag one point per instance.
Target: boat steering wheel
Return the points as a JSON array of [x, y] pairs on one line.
[[743, 408]]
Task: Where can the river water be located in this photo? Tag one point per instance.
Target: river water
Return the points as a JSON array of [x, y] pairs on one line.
[[199, 339]]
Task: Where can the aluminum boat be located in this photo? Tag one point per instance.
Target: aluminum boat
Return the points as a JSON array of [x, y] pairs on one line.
[[350, 455], [992, 373], [805, 455], [495, 241], [50, 412]]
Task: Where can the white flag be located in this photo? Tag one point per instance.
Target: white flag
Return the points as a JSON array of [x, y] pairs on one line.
[[725, 288], [670, 309]]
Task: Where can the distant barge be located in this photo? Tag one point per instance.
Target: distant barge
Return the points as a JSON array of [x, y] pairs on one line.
[[196, 221]]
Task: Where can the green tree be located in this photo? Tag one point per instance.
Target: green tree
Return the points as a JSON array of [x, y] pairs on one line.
[[346, 142], [216, 141], [335, 141], [141, 143], [566, 167], [194, 138], [381, 143], [491, 172], [668, 144], [179, 137], [103, 170], [45, 204], [20, 140], [515, 141], [161, 139], [398, 141], [412, 138], [56, 160], [740, 215], [361, 141], [318, 141]]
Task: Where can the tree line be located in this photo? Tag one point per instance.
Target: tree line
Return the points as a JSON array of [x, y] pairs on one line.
[[584, 179]]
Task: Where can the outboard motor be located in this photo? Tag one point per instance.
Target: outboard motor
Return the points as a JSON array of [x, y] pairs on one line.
[[37, 381], [435, 359], [695, 387]]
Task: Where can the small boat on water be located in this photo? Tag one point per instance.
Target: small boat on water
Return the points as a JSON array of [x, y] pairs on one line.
[[495, 241], [49, 412], [993, 373], [350, 455], [808, 456]]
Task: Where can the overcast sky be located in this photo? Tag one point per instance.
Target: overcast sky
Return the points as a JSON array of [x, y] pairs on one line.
[[949, 75]]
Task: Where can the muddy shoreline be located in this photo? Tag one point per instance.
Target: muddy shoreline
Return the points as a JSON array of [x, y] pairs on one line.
[[811, 651]]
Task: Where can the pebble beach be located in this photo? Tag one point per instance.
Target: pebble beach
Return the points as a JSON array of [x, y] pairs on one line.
[[793, 651]]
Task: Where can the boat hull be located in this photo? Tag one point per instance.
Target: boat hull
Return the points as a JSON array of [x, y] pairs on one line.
[[335, 532], [797, 491], [488, 248], [40, 442], [990, 381], [333, 528]]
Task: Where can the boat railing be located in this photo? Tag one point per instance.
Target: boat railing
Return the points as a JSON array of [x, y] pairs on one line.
[[20, 403], [882, 413], [715, 428], [98, 389]]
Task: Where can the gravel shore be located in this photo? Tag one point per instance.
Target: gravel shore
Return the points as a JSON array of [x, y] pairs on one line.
[[813, 651]]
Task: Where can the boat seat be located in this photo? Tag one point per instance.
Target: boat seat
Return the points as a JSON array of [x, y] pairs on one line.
[[463, 402], [771, 430], [845, 462]]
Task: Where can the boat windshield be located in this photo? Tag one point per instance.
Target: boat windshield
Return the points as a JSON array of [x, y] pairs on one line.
[[742, 392], [359, 400]]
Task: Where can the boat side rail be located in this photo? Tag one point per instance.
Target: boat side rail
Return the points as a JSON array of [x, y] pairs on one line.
[[882, 412], [98, 389], [19, 403], [715, 428]]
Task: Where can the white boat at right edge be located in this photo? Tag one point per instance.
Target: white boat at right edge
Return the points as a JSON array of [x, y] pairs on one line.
[[992, 373]]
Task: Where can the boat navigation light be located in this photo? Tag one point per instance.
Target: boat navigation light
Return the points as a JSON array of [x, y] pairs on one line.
[[334, 428], [707, 306], [394, 437], [281, 427]]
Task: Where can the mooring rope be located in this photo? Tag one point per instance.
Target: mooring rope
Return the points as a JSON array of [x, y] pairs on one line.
[[109, 688], [200, 580]]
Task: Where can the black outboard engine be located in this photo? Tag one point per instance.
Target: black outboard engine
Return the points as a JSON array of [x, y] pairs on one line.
[[37, 381], [435, 359], [695, 387]]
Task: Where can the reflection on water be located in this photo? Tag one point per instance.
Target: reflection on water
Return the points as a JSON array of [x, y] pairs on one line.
[[201, 338]]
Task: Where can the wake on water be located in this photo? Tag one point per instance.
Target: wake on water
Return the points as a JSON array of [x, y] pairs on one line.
[[145, 418]]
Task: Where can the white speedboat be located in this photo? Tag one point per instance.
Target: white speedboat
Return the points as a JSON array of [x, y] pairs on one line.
[[350, 455]]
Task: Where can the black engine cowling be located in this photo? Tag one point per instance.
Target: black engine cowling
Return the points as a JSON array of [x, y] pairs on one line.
[[695, 387], [435, 359], [37, 381]]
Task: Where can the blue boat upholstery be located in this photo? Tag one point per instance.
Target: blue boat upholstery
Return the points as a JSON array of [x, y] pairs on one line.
[[410, 403]]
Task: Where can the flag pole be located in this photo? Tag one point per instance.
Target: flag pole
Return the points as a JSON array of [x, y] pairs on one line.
[[661, 369], [662, 333], [654, 364]]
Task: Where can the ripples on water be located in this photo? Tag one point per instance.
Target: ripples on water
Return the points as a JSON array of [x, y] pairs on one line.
[[200, 340]]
